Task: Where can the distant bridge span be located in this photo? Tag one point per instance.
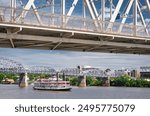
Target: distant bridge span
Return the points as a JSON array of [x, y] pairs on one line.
[[54, 25], [11, 66]]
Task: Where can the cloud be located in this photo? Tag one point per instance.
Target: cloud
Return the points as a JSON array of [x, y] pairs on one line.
[[107, 11], [5, 2], [64, 59], [147, 21]]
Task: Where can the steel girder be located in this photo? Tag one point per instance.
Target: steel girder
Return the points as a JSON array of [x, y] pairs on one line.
[[102, 19]]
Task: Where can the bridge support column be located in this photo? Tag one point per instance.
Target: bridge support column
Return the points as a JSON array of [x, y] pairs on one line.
[[106, 82], [23, 80], [82, 81]]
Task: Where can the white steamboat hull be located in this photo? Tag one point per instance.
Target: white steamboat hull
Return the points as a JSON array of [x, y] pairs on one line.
[[53, 88]]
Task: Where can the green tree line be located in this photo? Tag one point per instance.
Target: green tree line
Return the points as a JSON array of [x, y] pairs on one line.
[[9, 76], [90, 81], [15, 77], [126, 81], [123, 81]]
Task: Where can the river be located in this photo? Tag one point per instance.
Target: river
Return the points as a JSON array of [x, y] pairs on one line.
[[14, 92]]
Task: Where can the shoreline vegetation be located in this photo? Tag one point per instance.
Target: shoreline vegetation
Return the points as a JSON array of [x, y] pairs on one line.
[[122, 81]]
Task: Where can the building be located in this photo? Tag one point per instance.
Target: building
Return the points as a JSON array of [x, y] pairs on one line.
[[8, 81], [136, 73], [145, 72]]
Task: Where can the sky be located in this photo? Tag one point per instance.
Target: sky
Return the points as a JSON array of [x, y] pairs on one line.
[[66, 59]]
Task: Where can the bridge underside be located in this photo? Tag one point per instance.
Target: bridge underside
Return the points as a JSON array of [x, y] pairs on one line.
[[113, 26], [34, 37]]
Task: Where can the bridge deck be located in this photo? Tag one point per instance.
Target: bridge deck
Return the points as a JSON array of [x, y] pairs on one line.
[[76, 33]]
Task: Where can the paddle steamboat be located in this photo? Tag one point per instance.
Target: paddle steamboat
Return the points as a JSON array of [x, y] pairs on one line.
[[52, 84]]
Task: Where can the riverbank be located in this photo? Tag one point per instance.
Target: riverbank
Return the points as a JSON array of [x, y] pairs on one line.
[[123, 81]]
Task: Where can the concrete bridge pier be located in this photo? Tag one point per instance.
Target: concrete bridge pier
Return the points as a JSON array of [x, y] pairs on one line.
[[82, 81], [23, 80], [106, 81]]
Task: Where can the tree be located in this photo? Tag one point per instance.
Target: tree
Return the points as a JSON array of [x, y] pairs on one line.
[[89, 81], [2, 76], [121, 81], [73, 81]]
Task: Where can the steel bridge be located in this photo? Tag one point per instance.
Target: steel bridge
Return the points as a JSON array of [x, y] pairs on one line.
[[113, 26], [11, 66]]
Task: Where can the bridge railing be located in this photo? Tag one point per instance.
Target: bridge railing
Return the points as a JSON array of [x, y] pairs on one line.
[[72, 23]]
